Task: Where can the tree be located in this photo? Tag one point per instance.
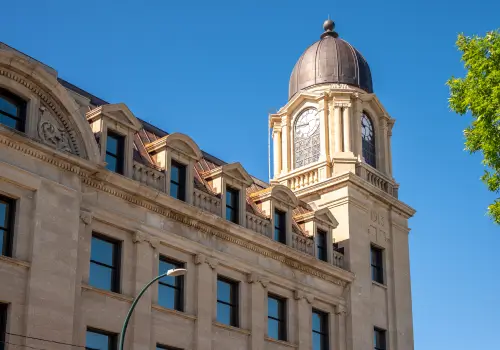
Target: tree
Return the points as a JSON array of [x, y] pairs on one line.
[[479, 94]]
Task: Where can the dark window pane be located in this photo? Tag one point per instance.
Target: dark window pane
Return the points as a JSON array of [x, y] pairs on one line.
[[272, 308], [377, 264], [178, 180], [102, 251], [317, 341], [112, 145], [111, 163], [3, 236], [224, 313], [279, 226], [98, 341], [3, 324], [273, 329], [321, 245], [8, 107], [223, 291], [174, 175], [4, 211], [316, 322], [379, 340], [8, 121], [101, 277], [167, 297], [174, 190]]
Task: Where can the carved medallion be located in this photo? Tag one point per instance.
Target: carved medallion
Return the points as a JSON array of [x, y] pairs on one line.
[[51, 133]]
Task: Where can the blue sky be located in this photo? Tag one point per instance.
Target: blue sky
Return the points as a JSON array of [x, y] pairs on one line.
[[214, 69]]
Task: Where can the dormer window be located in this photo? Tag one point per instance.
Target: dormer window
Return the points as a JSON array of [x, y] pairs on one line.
[[321, 245], [12, 110], [178, 180], [114, 152], [279, 226], [232, 204]]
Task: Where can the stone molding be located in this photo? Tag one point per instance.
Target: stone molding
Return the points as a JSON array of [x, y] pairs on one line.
[[88, 177], [140, 236], [86, 217], [256, 278], [15, 262], [202, 259], [299, 294], [340, 310]]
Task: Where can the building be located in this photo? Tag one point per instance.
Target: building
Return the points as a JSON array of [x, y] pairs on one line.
[[96, 202]]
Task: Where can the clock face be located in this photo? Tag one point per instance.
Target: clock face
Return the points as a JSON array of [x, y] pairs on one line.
[[366, 128], [307, 123]]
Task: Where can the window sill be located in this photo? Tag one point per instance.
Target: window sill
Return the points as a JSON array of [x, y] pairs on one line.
[[107, 293], [381, 285], [281, 342], [14, 261], [173, 312], [231, 328]]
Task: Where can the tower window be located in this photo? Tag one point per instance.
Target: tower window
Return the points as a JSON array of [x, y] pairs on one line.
[[12, 110], [232, 199], [368, 140], [377, 264], [178, 180], [379, 341], [306, 138]]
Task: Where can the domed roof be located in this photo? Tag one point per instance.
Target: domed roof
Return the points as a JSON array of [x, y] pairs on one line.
[[330, 60]]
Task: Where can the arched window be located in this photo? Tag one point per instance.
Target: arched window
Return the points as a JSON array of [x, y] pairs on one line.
[[368, 140], [306, 138], [12, 110]]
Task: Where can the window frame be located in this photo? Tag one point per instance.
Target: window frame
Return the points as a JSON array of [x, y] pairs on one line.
[[20, 103], [120, 152], [369, 148], [179, 297], [233, 303], [377, 266], [235, 207], [182, 183], [282, 317], [8, 231], [112, 338], [165, 347], [380, 332], [280, 225], [324, 248], [116, 269], [324, 332], [4, 309]]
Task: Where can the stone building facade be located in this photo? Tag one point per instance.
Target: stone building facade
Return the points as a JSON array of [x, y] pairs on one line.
[[95, 202]]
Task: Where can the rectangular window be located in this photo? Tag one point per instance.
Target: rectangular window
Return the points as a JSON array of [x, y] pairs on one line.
[[114, 152], [232, 199], [276, 317], [227, 302], [105, 263], [165, 347], [6, 225], [3, 325], [171, 289], [100, 340], [178, 180], [12, 110], [321, 251], [280, 226], [379, 342], [319, 330], [377, 264]]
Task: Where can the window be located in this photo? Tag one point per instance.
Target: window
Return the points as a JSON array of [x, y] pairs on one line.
[[276, 317], [171, 289], [6, 225], [280, 226], [3, 325], [379, 339], [377, 264], [12, 110], [104, 263], [319, 330], [114, 152], [321, 251], [100, 340], [178, 180], [165, 347], [368, 140], [232, 199], [227, 302], [306, 138]]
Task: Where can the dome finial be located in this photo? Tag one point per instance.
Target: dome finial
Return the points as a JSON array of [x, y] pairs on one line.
[[329, 27]]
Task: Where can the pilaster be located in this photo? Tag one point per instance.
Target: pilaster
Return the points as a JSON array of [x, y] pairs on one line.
[[337, 128], [277, 150], [340, 328], [346, 123], [285, 145], [357, 113], [304, 320], [257, 307]]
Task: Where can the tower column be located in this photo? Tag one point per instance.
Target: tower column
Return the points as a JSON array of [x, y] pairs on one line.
[[331, 129], [277, 150], [285, 145], [357, 111], [346, 121], [336, 129]]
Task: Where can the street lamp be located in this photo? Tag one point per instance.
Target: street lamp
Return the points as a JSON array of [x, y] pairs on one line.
[[171, 273]]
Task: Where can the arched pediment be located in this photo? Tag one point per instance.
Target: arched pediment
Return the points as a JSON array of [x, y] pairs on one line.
[[179, 142], [53, 116], [285, 195]]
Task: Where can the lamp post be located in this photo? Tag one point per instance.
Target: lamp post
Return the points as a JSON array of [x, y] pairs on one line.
[[171, 273]]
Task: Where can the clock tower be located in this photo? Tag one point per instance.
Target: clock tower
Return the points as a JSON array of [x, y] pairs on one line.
[[332, 148]]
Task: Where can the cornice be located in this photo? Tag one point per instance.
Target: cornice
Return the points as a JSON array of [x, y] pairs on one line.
[[133, 192]]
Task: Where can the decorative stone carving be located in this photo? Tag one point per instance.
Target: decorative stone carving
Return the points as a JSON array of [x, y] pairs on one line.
[[50, 133], [154, 242], [256, 278], [139, 237], [201, 259], [340, 310], [86, 217], [299, 294]]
